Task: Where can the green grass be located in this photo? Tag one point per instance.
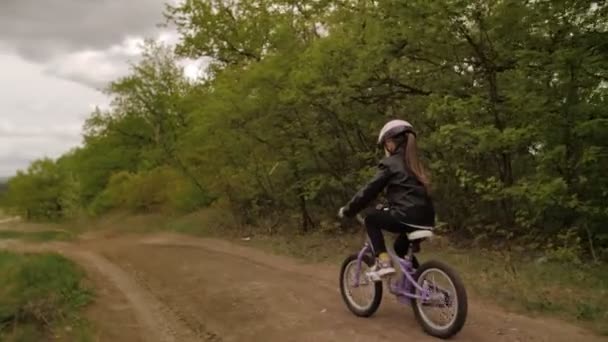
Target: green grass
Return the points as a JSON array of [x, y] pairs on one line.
[[573, 292], [37, 236], [41, 298]]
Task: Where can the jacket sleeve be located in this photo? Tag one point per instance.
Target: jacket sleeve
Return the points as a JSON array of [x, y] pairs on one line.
[[369, 192]]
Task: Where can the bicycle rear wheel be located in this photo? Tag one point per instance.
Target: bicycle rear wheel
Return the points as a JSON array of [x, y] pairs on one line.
[[444, 313], [364, 299]]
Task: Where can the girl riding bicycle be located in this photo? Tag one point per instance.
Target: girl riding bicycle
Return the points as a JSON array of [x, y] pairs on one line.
[[407, 191]]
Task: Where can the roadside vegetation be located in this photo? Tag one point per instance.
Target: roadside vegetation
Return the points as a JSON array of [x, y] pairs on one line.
[[15, 228], [41, 299], [37, 236]]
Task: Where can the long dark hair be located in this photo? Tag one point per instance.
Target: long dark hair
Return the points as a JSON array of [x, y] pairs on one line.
[[414, 164]]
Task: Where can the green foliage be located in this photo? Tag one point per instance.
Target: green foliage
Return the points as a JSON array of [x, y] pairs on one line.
[[538, 286], [3, 189], [509, 99], [36, 192], [39, 293], [160, 189]]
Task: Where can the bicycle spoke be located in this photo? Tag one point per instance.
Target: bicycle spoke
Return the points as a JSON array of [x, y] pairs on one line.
[[361, 295], [439, 308]]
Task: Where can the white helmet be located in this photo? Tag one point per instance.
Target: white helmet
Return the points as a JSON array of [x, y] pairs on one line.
[[394, 128]]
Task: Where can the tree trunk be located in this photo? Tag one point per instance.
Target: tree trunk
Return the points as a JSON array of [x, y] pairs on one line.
[[307, 221]]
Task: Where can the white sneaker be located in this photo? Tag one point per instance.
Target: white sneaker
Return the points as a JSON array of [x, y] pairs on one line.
[[380, 270]]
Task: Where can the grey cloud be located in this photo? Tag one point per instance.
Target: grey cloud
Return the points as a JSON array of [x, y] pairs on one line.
[[40, 115], [88, 79], [9, 164], [18, 149], [55, 53], [95, 69], [63, 132], [39, 30]]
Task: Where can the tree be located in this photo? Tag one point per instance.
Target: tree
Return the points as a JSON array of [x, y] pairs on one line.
[[36, 192], [508, 99]]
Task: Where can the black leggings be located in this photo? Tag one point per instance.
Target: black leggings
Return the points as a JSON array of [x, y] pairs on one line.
[[377, 220]]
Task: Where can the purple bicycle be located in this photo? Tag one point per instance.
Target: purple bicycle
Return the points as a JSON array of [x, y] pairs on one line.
[[434, 290]]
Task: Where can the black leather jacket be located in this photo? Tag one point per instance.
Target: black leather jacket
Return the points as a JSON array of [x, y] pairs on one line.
[[407, 198]]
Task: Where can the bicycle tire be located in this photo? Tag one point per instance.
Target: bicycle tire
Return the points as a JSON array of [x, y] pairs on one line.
[[462, 309], [377, 297]]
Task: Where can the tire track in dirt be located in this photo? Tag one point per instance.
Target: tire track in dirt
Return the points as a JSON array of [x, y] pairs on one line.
[[158, 322], [245, 301], [199, 328], [245, 294]]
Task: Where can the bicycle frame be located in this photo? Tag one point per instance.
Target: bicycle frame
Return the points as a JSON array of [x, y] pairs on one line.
[[412, 284], [405, 282]]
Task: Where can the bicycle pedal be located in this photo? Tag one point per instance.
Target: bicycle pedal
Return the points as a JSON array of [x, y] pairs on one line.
[[373, 277]]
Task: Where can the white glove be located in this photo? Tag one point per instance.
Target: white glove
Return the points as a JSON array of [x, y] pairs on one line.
[[341, 212]]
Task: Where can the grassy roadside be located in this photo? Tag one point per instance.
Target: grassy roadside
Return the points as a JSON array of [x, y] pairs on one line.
[[573, 292], [41, 298], [37, 236], [38, 232]]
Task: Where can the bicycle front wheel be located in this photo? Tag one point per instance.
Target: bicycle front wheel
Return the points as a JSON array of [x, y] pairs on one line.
[[362, 300], [444, 312]]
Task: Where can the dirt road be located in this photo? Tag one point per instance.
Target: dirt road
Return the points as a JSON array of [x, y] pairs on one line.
[[5, 221], [166, 287]]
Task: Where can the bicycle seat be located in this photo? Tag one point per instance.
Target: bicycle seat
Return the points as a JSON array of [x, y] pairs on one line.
[[419, 235], [420, 232]]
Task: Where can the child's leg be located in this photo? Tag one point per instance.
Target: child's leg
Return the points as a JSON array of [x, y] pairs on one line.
[[373, 225], [375, 222], [402, 245]]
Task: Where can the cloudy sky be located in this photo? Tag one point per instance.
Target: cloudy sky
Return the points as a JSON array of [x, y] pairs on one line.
[[55, 55]]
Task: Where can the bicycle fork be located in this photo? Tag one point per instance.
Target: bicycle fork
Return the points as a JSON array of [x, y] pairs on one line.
[[365, 249]]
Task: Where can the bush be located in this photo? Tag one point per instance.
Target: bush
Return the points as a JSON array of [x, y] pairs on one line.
[[160, 189], [39, 291]]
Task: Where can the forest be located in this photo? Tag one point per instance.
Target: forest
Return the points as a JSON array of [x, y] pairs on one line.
[[509, 99]]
